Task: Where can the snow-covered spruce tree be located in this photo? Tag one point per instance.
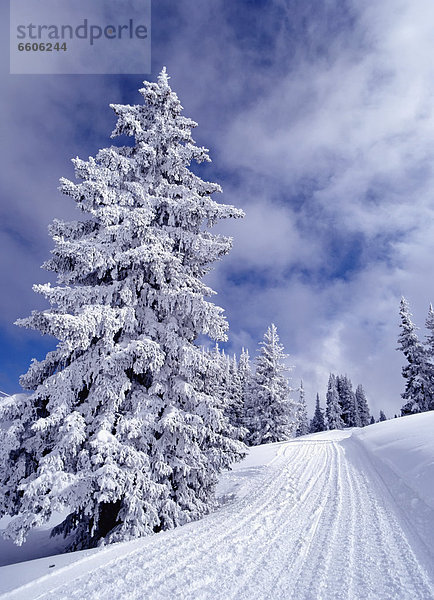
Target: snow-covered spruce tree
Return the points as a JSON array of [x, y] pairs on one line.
[[245, 374], [417, 391], [302, 422], [235, 402], [222, 382], [372, 421], [347, 400], [218, 375], [214, 376], [214, 379], [271, 407], [429, 354], [118, 429], [362, 407], [333, 407], [382, 416], [317, 424], [234, 408]]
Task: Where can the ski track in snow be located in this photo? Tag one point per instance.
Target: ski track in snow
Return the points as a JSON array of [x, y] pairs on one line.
[[316, 524]]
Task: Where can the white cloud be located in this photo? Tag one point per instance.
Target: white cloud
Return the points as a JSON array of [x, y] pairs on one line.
[[361, 128], [318, 148]]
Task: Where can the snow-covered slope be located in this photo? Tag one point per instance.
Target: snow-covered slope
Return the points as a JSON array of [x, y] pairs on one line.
[[406, 446], [320, 517], [402, 451]]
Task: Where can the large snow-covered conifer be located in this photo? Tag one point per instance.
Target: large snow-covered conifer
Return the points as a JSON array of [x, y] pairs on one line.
[[119, 429]]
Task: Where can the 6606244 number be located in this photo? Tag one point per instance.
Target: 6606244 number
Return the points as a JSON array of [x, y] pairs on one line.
[[41, 47]]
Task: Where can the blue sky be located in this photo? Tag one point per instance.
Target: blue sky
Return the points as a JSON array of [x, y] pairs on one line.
[[319, 119]]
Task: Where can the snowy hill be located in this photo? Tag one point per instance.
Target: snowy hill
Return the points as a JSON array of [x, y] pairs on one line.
[[340, 514]]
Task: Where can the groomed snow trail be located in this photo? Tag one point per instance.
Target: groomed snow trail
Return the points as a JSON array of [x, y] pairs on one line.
[[316, 524]]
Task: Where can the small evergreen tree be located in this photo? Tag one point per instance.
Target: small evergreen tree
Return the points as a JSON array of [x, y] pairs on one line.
[[317, 424], [347, 401], [417, 394], [225, 380], [271, 406], [429, 357], [234, 409], [382, 416], [235, 400], [362, 407], [302, 423], [119, 429], [372, 421], [219, 384], [333, 406], [245, 374]]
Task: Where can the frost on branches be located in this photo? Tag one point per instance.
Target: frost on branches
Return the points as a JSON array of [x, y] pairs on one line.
[[302, 422], [429, 353], [271, 410], [362, 407], [347, 399], [333, 407], [119, 429], [417, 393]]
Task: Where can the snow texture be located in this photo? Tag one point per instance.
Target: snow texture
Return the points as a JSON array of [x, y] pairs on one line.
[[418, 392], [332, 515]]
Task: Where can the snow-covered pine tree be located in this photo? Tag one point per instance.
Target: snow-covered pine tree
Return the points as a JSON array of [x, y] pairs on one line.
[[217, 382], [216, 377], [245, 375], [382, 416], [347, 400], [429, 356], [271, 407], [333, 407], [118, 429], [235, 402], [225, 378], [302, 422], [362, 407], [417, 391], [234, 408], [317, 423], [372, 421]]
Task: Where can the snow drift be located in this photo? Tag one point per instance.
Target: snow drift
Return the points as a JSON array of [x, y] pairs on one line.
[[338, 514]]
